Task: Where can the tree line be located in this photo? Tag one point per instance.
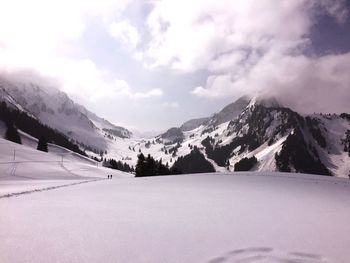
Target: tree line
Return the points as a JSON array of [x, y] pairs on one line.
[[148, 166], [13, 135], [118, 165], [194, 162]]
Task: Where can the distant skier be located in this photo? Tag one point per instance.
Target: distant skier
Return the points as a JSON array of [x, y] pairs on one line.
[[111, 176], [107, 176]]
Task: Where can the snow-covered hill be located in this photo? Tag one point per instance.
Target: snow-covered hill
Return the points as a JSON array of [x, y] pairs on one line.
[[25, 169], [20, 162], [55, 109]]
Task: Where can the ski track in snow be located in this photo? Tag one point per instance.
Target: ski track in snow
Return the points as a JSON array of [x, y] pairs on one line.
[[47, 188], [267, 255]]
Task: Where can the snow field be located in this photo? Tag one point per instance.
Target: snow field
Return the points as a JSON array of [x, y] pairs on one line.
[[241, 217]]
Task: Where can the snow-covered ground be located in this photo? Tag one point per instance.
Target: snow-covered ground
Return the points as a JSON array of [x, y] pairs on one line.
[[65, 210], [23, 168], [240, 217]]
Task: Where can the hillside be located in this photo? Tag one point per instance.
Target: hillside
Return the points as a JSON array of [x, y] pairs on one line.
[[55, 109], [28, 166]]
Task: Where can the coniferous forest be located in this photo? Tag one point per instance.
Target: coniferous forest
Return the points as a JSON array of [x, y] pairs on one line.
[[148, 166], [194, 162], [246, 164], [118, 165]]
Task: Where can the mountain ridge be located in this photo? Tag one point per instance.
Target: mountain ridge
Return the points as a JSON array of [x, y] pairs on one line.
[[279, 138], [55, 109]]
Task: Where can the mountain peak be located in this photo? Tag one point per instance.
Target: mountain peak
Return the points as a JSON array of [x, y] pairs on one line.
[[267, 102], [230, 111]]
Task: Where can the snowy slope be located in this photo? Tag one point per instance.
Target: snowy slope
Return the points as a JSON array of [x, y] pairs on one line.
[[333, 155], [55, 109], [37, 170], [194, 123], [242, 217], [9, 100]]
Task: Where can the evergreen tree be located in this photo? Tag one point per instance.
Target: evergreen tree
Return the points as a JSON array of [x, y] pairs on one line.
[[118, 165], [246, 164], [162, 169], [228, 164], [140, 165], [295, 153], [194, 162], [42, 144], [150, 167], [175, 170], [12, 133]]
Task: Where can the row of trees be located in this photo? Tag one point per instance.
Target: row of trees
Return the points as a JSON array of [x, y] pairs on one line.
[[194, 162], [118, 165], [246, 164], [13, 135], [148, 166]]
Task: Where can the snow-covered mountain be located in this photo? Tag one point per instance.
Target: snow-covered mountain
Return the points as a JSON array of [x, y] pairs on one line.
[[279, 138], [228, 113], [250, 133], [55, 109]]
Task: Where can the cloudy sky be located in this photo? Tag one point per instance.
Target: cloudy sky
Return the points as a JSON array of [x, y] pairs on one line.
[[155, 64]]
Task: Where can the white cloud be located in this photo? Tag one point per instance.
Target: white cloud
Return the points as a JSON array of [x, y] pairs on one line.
[[44, 27], [302, 83], [41, 36], [217, 86], [250, 47], [121, 88], [172, 104], [148, 94], [80, 78], [192, 35], [125, 33]]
